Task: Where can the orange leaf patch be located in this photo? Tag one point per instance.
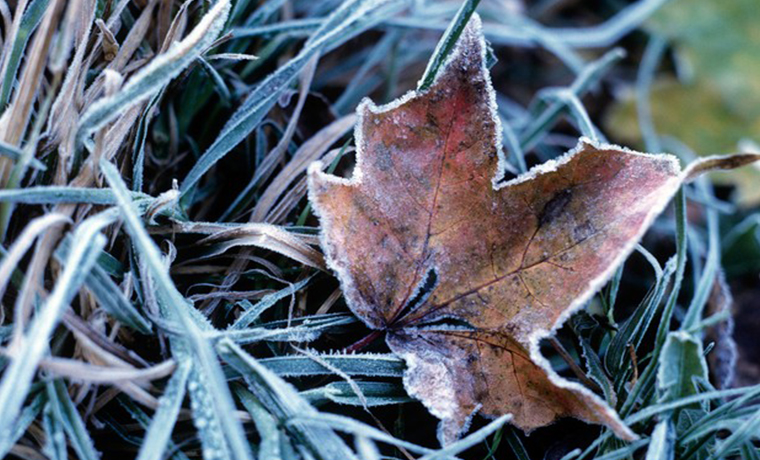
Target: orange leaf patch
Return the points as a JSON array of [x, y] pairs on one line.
[[466, 274]]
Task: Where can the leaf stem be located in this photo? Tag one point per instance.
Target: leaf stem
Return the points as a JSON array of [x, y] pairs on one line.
[[573, 365], [364, 342]]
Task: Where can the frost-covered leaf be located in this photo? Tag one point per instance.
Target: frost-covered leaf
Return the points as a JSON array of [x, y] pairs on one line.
[[682, 360], [662, 444], [466, 273]]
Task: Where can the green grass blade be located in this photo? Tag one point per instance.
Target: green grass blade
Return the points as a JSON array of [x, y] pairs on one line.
[[707, 277], [309, 330], [61, 195], [355, 427], [144, 421], [253, 312], [596, 372], [374, 394], [25, 418], [266, 425], [284, 403], [470, 440], [68, 416], [55, 437], [365, 364], [16, 154], [161, 426], [29, 21], [108, 294], [662, 443], [681, 361], [447, 43]]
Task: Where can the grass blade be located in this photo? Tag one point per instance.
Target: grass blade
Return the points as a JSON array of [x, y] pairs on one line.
[[72, 422], [284, 402], [447, 43], [208, 387], [161, 426], [18, 376], [158, 73], [351, 18]]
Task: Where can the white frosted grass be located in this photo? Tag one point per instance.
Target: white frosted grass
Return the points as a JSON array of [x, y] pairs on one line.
[[14, 153], [470, 440], [26, 355], [284, 402], [29, 20], [366, 449], [253, 312], [62, 194], [363, 364], [23, 242], [206, 369], [602, 35], [357, 428], [376, 394], [66, 412], [25, 418], [271, 437], [157, 74], [106, 292], [348, 20], [591, 74], [301, 333], [158, 434]]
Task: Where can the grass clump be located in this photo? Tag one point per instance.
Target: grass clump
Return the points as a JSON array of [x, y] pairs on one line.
[[163, 290]]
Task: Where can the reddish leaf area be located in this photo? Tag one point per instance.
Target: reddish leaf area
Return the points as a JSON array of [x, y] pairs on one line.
[[467, 274]]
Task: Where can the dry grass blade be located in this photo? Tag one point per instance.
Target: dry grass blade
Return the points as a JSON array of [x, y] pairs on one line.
[[64, 114], [24, 242], [11, 31], [310, 151], [265, 236], [15, 119], [159, 71], [18, 376], [78, 371], [275, 157]]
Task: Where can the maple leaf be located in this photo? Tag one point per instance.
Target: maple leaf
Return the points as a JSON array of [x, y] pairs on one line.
[[466, 274]]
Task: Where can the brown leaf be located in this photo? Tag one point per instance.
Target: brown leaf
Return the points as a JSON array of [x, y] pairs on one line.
[[467, 274]]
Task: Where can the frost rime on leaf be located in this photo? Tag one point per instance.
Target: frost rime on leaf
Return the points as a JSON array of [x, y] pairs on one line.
[[510, 261]]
